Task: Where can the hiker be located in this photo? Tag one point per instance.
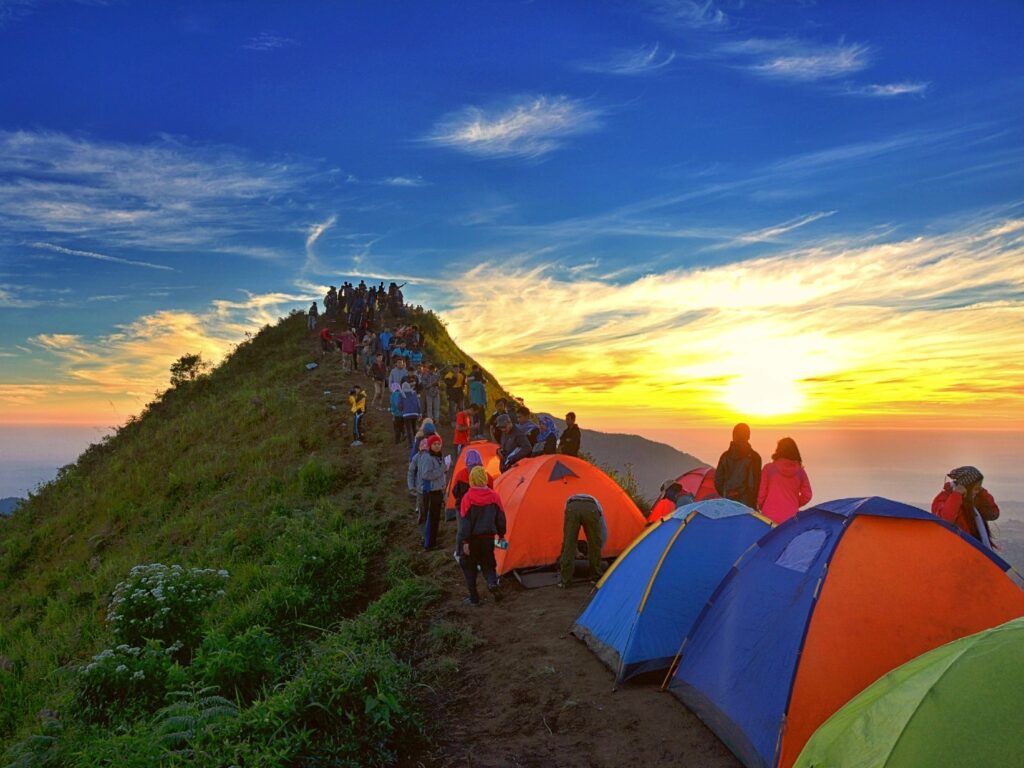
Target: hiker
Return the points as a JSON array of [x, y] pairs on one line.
[[426, 429], [397, 417], [582, 511], [481, 518], [416, 355], [478, 395], [426, 476], [738, 474], [397, 375], [460, 482], [500, 406], [514, 444], [357, 402], [384, 339], [569, 442], [527, 427], [369, 348], [430, 382], [960, 497], [666, 505], [312, 317], [547, 437], [785, 486], [410, 411], [348, 345], [326, 341], [379, 374], [463, 428], [455, 385]]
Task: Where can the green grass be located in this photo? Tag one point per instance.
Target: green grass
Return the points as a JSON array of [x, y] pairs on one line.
[[314, 642]]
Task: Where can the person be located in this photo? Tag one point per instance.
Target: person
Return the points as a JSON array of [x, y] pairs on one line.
[[427, 428], [582, 511], [666, 505], [427, 475], [738, 474], [481, 518], [397, 417], [526, 426], [478, 392], [379, 374], [455, 385], [369, 348], [960, 497], [416, 355], [514, 445], [547, 437], [357, 402], [569, 442], [410, 411], [326, 341], [500, 406], [463, 427], [312, 317], [397, 375], [349, 344], [385, 345], [430, 381], [784, 486], [460, 481]]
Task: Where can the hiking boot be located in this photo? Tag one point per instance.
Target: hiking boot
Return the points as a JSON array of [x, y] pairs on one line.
[[356, 443], [471, 601]]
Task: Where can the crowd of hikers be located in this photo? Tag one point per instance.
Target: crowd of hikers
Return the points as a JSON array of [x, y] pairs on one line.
[[409, 386]]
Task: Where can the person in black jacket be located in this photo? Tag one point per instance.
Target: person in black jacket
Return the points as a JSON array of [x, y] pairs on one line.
[[481, 518], [569, 442], [738, 474], [514, 444]]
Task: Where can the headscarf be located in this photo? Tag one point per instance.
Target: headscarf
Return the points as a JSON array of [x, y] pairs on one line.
[[478, 477], [473, 459], [406, 388], [549, 430], [966, 476]]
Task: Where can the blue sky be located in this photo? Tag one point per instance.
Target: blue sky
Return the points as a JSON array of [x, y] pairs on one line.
[[174, 174]]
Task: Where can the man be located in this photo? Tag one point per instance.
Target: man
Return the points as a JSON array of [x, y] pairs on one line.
[[312, 317], [430, 383], [526, 426], [569, 442], [582, 511], [513, 445], [455, 388], [385, 345], [738, 474], [500, 409]]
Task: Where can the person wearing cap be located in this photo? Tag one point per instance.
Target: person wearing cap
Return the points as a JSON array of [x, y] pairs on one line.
[[738, 474], [514, 445], [963, 494], [481, 518], [426, 475], [582, 511]]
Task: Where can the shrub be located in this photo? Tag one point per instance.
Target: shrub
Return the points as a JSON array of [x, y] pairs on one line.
[[159, 602], [239, 666], [192, 721], [316, 479], [123, 682]]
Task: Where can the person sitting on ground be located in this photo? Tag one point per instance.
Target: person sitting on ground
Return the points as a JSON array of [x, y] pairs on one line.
[[547, 437], [397, 375], [582, 511], [514, 445], [960, 497], [410, 411], [738, 474], [526, 426], [397, 417], [481, 518], [666, 505], [569, 442], [326, 341], [312, 317], [426, 475], [784, 486], [357, 402]]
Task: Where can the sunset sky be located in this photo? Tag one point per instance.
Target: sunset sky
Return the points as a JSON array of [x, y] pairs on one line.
[[666, 215]]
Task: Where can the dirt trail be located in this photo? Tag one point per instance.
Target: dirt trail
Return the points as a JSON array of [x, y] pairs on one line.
[[533, 695]]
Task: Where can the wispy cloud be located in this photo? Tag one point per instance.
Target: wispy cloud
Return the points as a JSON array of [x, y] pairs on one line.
[[772, 233], [888, 90], [11, 297], [529, 126], [314, 233], [792, 59], [643, 61], [268, 41], [688, 14], [100, 257], [404, 181]]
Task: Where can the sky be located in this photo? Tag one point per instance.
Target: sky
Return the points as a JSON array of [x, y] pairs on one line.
[[668, 216]]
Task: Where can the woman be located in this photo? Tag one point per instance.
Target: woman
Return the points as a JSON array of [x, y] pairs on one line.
[[785, 486], [426, 475], [547, 439], [960, 497]]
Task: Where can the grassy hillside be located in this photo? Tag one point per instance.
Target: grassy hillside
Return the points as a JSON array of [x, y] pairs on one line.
[[294, 642]]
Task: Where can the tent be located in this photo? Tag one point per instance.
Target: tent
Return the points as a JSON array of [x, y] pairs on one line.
[[824, 605], [534, 492], [488, 452], [960, 704], [646, 603], [699, 483]]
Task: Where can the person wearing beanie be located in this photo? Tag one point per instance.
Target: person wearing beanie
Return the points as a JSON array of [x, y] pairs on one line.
[[962, 496], [481, 518], [460, 482], [426, 429], [426, 476], [738, 474], [785, 486]]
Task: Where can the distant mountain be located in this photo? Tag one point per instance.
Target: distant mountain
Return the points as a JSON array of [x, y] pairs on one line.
[[1009, 538], [8, 504]]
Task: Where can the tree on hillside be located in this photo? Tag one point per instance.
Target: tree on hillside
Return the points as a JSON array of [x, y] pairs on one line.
[[188, 368]]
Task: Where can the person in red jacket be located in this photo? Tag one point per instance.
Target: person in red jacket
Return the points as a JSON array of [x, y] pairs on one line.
[[666, 505], [785, 486], [481, 518], [960, 497]]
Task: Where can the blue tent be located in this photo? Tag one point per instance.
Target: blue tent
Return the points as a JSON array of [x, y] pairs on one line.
[[648, 600]]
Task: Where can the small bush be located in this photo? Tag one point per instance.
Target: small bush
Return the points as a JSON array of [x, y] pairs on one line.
[[188, 725], [316, 478], [239, 666], [123, 682], [159, 602]]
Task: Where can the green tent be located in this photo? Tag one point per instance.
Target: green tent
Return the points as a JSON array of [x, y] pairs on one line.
[[960, 704]]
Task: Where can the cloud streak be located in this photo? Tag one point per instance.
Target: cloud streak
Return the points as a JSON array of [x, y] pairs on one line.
[[799, 60], [528, 127], [268, 41], [101, 257], [646, 60]]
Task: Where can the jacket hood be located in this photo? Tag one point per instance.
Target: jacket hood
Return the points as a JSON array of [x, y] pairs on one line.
[[740, 448], [788, 467], [482, 496]]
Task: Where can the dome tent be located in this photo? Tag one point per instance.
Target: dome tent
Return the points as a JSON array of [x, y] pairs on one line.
[[648, 600], [488, 452], [824, 605], [534, 492]]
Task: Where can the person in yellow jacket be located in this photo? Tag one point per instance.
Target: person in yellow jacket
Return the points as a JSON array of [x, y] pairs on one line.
[[357, 402]]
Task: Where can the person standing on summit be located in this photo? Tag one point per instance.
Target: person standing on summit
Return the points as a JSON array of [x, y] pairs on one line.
[[785, 486], [738, 474], [569, 442]]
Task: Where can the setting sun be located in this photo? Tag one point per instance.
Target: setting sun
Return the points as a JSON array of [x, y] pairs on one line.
[[768, 394]]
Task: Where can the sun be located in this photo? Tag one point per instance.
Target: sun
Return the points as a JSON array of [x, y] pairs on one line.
[[763, 394]]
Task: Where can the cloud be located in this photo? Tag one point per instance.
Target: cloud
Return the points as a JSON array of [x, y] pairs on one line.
[[11, 298], [314, 233], [404, 181], [689, 14], [530, 126], [769, 234], [100, 257], [799, 60], [268, 41], [924, 328], [890, 89], [643, 61]]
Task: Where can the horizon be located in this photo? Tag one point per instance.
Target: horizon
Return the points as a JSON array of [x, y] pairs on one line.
[[668, 216]]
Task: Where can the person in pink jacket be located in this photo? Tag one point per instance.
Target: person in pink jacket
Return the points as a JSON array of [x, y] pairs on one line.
[[785, 486]]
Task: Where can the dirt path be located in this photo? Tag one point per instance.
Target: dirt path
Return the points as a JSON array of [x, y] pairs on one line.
[[533, 695]]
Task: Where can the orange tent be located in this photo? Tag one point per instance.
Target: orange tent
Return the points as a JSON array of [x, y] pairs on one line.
[[534, 493], [488, 452], [699, 483]]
